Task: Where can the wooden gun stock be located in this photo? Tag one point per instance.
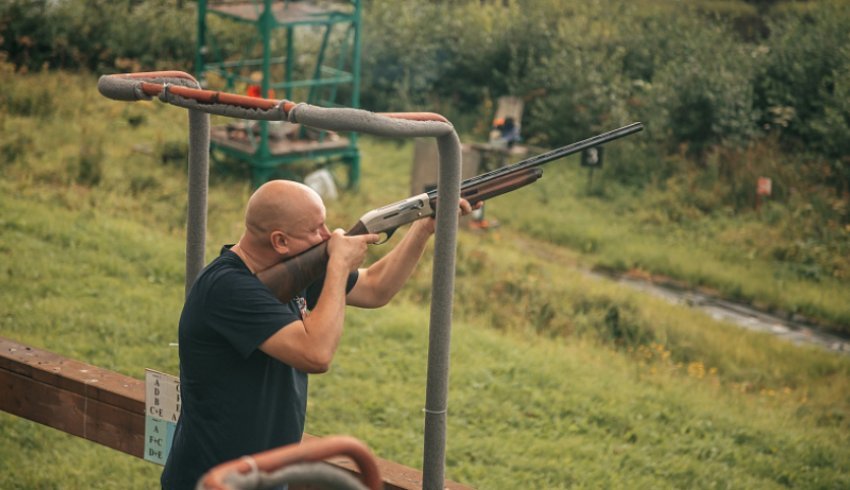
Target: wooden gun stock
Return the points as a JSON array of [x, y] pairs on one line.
[[288, 278]]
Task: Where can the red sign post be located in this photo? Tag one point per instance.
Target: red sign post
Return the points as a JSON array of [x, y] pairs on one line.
[[763, 188]]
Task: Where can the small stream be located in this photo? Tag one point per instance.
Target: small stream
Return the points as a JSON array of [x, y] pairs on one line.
[[741, 315]]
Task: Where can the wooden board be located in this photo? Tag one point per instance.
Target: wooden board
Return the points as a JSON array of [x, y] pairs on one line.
[[278, 147], [284, 12], [109, 408]]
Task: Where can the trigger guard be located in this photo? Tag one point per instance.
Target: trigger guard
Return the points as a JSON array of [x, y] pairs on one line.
[[389, 234]]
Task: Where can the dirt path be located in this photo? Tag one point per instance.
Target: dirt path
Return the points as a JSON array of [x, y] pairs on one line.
[[742, 315], [793, 330]]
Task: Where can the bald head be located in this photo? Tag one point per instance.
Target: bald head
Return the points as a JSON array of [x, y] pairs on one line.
[[282, 205]]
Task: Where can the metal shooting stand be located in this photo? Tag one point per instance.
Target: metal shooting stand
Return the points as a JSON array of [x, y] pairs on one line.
[[182, 90], [307, 50]]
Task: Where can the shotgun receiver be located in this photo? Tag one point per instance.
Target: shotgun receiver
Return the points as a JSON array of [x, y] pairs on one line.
[[287, 278]]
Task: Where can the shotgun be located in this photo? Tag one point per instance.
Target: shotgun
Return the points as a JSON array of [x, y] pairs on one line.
[[291, 276]]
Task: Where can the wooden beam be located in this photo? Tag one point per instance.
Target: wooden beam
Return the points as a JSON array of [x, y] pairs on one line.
[[107, 407], [80, 399]]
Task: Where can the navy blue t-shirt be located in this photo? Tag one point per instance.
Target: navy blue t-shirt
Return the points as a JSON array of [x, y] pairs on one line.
[[236, 400]]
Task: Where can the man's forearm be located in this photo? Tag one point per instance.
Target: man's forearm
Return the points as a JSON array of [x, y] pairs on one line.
[[324, 323], [310, 344], [387, 276]]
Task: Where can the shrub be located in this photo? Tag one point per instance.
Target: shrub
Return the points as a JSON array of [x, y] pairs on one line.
[[24, 99], [92, 34], [698, 91], [802, 88], [25, 33]]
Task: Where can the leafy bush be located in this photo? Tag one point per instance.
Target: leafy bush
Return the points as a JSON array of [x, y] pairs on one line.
[[18, 100], [25, 33], [405, 51], [579, 68], [803, 87], [94, 34]]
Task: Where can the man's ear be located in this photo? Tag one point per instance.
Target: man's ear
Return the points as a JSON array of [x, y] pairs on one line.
[[279, 242]]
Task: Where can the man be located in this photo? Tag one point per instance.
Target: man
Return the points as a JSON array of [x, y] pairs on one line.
[[244, 355]]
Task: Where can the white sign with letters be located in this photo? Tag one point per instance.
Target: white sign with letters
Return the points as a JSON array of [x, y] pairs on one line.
[[162, 409]]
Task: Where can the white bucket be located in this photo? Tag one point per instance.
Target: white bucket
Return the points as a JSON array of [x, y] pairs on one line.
[[322, 182]]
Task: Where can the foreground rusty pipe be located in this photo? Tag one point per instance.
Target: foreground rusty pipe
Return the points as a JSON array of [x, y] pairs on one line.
[[312, 450], [153, 84]]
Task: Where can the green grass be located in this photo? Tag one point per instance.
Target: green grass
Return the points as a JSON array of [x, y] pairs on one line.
[[543, 414], [616, 228], [558, 379]]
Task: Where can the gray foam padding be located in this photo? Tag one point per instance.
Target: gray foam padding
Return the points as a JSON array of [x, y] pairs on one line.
[[198, 185], [344, 119], [123, 88], [443, 277]]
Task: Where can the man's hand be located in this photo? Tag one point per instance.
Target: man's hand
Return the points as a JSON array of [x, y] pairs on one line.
[[429, 225], [348, 252]]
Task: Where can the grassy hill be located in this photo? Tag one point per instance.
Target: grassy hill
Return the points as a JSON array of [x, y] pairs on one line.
[[558, 379]]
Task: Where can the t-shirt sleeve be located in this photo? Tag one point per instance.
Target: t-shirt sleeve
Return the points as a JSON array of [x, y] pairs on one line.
[[313, 291], [246, 313]]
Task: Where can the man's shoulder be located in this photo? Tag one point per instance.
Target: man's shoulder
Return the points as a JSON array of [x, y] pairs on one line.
[[225, 275], [225, 264]]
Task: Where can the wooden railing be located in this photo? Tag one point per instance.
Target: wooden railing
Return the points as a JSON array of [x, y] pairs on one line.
[[109, 408]]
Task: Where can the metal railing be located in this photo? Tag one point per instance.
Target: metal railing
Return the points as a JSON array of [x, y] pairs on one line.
[[182, 90]]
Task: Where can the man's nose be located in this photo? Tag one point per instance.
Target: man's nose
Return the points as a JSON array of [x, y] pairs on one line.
[[326, 233]]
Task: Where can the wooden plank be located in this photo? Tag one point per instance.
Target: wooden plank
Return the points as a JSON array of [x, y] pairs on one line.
[[426, 163], [77, 414], [277, 147], [284, 12], [109, 408], [73, 376]]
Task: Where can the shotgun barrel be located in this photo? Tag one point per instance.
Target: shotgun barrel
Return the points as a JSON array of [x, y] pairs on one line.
[[543, 158]]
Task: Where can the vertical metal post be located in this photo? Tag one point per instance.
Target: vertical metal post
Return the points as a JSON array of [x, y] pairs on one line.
[[354, 160], [267, 22], [436, 396], [201, 42], [315, 90], [355, 62], [196, 214]]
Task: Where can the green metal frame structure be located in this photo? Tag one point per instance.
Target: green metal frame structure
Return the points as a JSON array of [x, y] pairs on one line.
[[334, 80]]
